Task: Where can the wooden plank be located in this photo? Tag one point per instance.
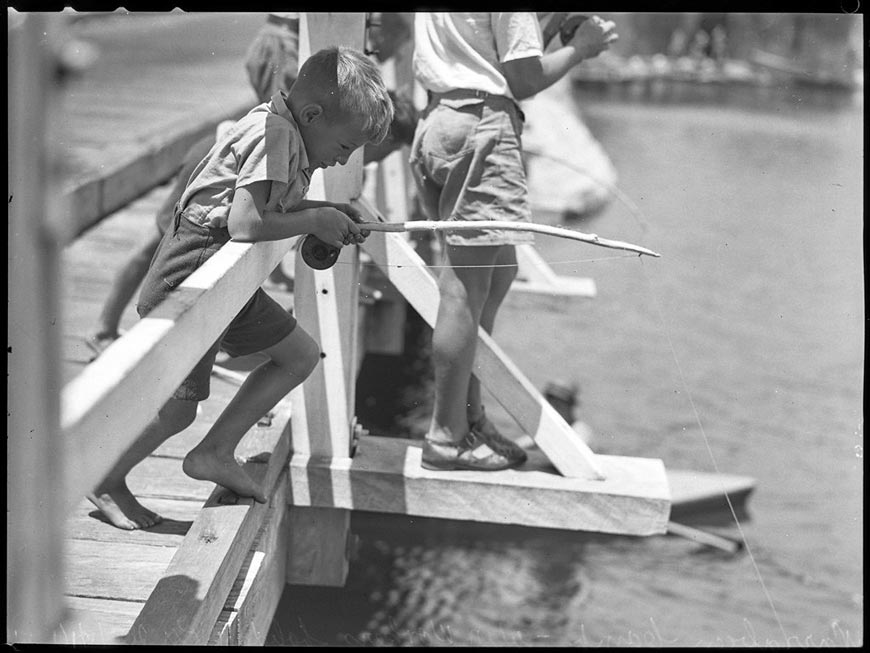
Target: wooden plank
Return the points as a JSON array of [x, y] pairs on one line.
[[385, 475], [114, 570], [693, 491], [97, 621], [251, 603], [397, 259], [317, 543], [326, 307], [188, 599], [103, 409], [178, 516], [35, 510]]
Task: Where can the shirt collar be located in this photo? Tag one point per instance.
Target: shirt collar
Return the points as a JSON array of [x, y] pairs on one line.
[[279, 106]]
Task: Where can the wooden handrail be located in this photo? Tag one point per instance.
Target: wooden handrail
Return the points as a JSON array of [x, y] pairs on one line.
[[106, 407]]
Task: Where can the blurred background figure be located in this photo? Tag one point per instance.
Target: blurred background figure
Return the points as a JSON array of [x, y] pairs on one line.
[[272, 60], [564, 396]]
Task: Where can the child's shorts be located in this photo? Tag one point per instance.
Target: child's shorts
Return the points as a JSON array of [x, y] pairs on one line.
[[260, 324], [467, 163]]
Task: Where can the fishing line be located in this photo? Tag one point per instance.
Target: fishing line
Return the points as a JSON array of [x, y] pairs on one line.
[[613, 188], [685, 385]]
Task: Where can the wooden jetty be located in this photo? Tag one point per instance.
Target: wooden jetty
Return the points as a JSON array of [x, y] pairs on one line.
[[213, 571]]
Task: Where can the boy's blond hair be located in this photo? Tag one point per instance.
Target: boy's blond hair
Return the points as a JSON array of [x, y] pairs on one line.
[[348, 84]]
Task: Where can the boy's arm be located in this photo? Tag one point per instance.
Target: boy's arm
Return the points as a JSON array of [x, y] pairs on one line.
[[249, 223], [530, 75]]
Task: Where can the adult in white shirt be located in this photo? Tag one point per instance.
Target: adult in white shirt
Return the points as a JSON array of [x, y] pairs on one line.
[[467, 164]]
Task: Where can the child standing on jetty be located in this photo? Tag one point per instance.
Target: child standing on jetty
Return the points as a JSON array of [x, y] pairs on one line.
[[467, 164], [249, 188]]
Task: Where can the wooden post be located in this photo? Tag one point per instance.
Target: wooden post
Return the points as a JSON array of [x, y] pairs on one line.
[[326, 305], [384, 321], [34, 516]]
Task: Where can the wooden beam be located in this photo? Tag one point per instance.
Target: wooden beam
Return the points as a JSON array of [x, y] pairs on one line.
[[535, 276], [189, 598], [570, 455], [35, 507], [385, 475], [250, 606], [326, 305]]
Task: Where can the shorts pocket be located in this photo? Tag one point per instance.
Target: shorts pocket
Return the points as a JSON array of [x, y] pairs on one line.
[[451, 131]]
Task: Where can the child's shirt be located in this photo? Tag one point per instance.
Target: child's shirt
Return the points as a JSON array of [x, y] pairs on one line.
[[465, 50], [264, 145]]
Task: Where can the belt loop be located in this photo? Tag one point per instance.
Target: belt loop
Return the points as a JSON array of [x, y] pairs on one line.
[[177, 217]]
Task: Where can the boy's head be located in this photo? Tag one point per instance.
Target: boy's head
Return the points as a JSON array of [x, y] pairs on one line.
[[340, 103], [401, 129]]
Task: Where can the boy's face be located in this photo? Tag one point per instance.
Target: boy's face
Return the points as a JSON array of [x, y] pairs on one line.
[[329, 142]]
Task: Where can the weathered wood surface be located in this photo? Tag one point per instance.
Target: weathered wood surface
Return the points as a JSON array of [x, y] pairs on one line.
[[190, 595], [250, 606], [385, 475], [33, 558]]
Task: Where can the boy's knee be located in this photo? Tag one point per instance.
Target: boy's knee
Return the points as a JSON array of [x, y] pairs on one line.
[[304, 359], [309, 359]]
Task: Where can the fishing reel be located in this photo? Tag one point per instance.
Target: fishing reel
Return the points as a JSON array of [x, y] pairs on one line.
[[317, 254]]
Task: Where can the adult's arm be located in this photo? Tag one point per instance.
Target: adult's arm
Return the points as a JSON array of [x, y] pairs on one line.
[[530, 75]]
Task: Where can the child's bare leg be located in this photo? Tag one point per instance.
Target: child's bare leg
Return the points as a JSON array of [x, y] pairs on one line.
[[112, 496], [292, 360]]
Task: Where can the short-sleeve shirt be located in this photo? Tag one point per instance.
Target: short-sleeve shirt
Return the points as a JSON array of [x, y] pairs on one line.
[[264, 145], [465, 50]]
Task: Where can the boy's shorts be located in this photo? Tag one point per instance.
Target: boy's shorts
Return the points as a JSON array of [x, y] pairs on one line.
[[260, 324], [467, 163]]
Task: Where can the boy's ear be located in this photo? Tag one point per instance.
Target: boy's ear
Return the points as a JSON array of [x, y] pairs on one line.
[[310, 113]]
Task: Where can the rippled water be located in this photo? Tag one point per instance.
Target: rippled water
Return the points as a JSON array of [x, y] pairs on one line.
[[746, 336]]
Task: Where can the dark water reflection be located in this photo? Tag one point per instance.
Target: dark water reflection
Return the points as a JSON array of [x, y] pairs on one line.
[[741, 349]]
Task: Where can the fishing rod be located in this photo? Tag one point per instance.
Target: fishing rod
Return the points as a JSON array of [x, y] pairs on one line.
[[320, 255]]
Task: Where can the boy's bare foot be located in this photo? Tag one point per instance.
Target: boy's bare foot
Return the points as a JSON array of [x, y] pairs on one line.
[[121, 508], [208, 465]]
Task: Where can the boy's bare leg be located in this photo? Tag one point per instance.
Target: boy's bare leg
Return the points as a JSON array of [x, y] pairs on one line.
[[502, 278], [213, 459], [112, 496], [454, 340]]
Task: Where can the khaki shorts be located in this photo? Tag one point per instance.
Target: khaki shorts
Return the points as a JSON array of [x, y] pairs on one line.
[[467, 163], [260, 324]]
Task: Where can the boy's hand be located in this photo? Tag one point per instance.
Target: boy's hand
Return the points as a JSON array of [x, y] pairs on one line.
[[594, 36], [354, 215], [336, 228]]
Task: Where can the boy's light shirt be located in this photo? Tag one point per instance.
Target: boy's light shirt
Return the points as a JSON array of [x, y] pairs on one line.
[[264, 145], [465, 50]]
